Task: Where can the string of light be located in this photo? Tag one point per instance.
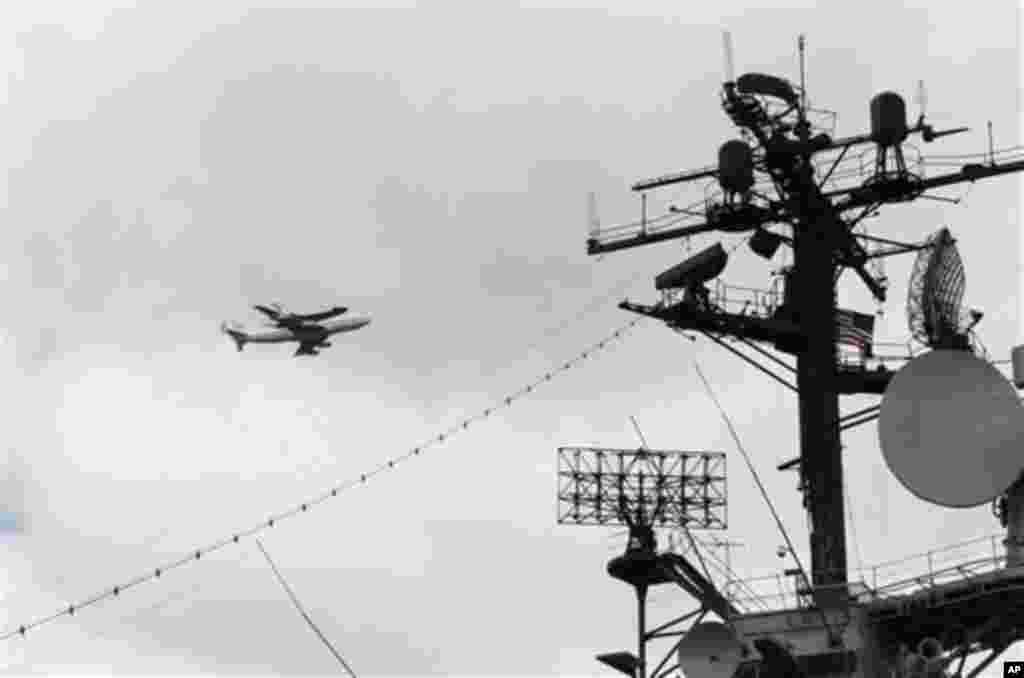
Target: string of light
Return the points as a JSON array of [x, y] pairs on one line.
[[197, 554]]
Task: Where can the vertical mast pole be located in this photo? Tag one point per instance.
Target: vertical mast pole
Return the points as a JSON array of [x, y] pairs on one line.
[[820, 451]]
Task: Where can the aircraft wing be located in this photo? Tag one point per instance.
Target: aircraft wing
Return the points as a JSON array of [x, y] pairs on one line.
[[271, 313], [291, 323], [323, 315]]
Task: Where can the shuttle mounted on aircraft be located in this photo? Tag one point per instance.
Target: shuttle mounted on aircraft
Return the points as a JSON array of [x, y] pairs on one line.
[[309, 330]]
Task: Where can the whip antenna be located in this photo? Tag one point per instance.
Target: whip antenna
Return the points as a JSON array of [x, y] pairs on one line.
[[730, 75]]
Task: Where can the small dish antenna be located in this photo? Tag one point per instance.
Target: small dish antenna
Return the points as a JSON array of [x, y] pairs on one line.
[[950, 429], [710, 650]]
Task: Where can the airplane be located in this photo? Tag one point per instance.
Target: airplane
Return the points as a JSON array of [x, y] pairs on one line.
[[309, 335], [295, 320]]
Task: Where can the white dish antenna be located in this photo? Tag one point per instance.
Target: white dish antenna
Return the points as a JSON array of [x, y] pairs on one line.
[[951, 429], [710, 650]]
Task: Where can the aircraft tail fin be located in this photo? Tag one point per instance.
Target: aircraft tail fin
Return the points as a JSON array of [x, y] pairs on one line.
[[239, 337], [593, 220]]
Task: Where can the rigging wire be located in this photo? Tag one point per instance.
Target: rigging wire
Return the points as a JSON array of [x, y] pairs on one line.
[[700, 557], [732, 575], [732, 579], [764, 492], [853, 525], [750, 466], [639, 433], [724, 571], [722, 568], [198, 553], [302, 611]]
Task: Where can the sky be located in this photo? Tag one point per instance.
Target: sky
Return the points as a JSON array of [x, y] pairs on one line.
[[169, 165]]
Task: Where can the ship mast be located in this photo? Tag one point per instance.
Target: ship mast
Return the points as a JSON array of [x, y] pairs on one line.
[[779, 174], [780, 145]]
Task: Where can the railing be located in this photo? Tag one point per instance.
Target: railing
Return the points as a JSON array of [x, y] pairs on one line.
[[763, 303], [958, 561], [752, 301], [882, 353], [767, 593], [857, 168], [912, 159], [895, 352]]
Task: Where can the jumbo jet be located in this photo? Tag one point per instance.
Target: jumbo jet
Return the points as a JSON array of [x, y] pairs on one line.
[[308, 330]]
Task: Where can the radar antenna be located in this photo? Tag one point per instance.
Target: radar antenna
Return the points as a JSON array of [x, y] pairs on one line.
[[935, 296]]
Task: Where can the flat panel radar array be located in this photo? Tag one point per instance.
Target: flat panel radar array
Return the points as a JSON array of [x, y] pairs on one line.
[[950, 429], [603, 486], [710, 650]]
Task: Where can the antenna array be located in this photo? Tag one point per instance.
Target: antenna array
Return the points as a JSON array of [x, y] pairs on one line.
[[602, 486]]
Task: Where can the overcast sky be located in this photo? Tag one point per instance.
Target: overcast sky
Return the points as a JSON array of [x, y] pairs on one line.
[[171, 164]]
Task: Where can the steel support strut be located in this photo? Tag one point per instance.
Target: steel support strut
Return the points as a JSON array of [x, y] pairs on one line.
[[641, 650]]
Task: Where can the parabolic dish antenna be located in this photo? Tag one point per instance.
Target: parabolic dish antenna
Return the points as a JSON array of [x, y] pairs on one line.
[[935, 295], [952, 429], [710, 650]]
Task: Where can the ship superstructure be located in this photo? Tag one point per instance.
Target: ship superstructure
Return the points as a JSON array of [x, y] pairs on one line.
[[786, 181]]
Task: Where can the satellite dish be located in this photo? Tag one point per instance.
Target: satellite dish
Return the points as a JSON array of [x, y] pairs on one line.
[[710, 650], [935, 295], [951, 429]]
